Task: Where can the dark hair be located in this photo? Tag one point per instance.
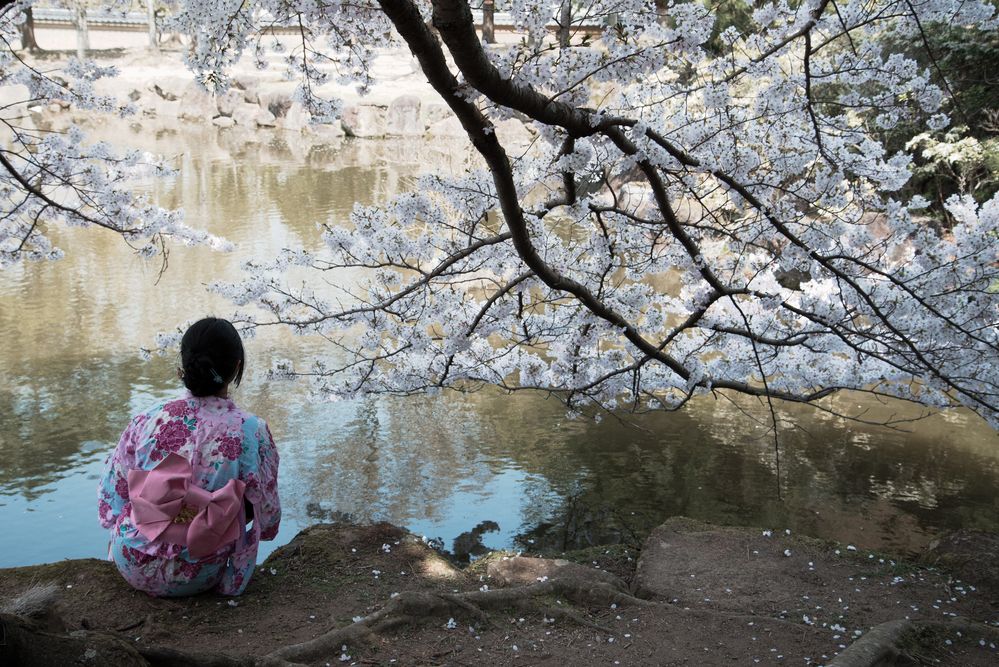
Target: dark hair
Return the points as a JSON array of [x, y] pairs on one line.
[[211, 354]]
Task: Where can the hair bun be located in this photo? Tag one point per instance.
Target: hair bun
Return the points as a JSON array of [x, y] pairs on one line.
[[206, 368], [211, 355], [201, 376]]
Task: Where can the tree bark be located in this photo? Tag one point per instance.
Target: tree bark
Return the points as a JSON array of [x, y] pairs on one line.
[[24, 642], [564, 20], [154, 44], [489, 21], [28, 41], [453, 21], [82, 32]]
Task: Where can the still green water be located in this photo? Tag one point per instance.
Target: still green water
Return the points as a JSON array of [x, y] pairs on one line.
[[73, 375]]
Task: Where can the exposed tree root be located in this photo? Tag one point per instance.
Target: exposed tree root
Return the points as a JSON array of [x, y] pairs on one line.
[[559, 613], [414, 608], [157, 656], [882, 645], [885, 644], [24, 636], [27, 643], [889, 642]]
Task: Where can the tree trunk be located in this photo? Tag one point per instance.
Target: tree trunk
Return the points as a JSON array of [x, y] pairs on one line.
[[154, 44], [662, 7], [488, 21], [28, 644], [28, 41], [82, 33], [564, 19]]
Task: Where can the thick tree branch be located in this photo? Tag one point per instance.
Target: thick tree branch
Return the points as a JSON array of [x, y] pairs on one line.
[[453, 20], [406, 17]]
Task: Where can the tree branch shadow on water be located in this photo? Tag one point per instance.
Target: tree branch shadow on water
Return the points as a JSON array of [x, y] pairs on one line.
[[582, 524]]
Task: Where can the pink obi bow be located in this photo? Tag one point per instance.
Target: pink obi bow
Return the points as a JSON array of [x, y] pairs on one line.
[[167, 504]]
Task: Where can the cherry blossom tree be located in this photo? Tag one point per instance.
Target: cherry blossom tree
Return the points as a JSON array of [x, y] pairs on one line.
[[687, 220], [48, 179]]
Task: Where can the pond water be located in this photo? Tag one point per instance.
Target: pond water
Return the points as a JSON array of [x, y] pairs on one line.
[[73, 375]]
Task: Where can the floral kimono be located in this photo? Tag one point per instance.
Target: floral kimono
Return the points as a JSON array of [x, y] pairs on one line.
[[218, 443]]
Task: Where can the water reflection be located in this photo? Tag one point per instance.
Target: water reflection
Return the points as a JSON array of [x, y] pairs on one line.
[[438, 464], [711, 463], [41, 430]]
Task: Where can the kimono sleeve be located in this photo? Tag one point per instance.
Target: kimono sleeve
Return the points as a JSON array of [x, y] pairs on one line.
[[112, 492], [262, 490]]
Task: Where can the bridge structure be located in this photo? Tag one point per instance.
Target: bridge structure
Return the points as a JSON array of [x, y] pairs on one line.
[[55, 28]]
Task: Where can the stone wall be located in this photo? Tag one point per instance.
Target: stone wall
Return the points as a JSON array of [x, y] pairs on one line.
[[253, 104]]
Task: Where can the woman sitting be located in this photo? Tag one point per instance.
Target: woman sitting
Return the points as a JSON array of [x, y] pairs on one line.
[[188, 476]]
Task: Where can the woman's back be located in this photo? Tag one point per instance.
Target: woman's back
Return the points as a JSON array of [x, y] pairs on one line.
[[221, 443], [213, 442]]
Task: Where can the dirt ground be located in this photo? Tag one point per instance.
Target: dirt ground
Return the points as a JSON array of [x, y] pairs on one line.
[[374, 595]]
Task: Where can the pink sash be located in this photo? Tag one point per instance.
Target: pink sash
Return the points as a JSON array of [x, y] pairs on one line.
[[167, 505]]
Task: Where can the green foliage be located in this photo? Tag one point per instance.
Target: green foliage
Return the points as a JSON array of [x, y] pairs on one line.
[[956, 162], [965, 158], [728, 13], [969, 61]]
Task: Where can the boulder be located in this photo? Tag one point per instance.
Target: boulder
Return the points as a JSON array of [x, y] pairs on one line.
[[970, 554], [332, 130], [170, 88], [166, 108], [249, 87], [246, 114], [364, 121], [512, 132], [264, 118], [448, 127], [278, 102], [295, 119], [143, 102], [223, 121], [524, 571], [197, 104], [228, 101], [403, 117], [436, 112]]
